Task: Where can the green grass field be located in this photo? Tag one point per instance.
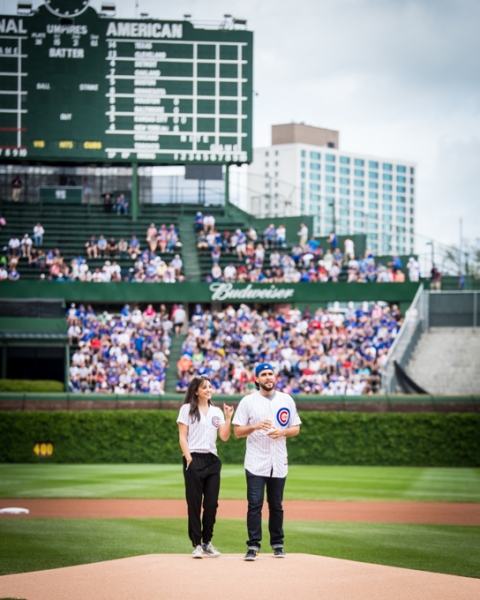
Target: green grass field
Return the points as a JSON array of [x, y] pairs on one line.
[[303, 483], [34, 544]]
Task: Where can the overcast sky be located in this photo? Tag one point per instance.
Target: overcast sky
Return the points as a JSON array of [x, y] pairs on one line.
[[397, 78]]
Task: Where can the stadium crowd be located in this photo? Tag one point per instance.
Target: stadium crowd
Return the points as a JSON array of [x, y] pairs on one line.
[[326, 353], [306, 262], [120, 353]]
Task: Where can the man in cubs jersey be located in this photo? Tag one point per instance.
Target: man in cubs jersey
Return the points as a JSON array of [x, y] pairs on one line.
[[266, 418]]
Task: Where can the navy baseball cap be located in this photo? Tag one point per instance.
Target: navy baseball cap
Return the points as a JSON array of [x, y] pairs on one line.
[[263, 367]]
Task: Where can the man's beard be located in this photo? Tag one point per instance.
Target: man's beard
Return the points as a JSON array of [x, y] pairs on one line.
[[267, 389]]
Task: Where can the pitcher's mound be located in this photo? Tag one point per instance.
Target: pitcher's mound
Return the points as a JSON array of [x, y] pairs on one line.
[[297, 577]]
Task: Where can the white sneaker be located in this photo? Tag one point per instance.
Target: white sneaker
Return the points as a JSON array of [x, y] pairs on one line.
[[198, 552], [209, 550]]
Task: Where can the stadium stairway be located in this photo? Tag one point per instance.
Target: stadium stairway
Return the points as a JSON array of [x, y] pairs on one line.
[[191, 265], [171, 374], [446, 360]]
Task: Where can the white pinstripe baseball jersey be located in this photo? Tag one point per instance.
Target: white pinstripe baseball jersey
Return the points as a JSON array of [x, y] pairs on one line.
[[266, 456], [202, 435]]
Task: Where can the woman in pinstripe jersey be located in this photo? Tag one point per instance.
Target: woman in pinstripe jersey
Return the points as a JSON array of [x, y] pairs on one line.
[[198, 424]]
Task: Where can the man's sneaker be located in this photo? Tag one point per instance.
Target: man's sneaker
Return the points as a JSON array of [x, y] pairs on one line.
[[278, 553], [251, 554], [210, 550], [198, 552]]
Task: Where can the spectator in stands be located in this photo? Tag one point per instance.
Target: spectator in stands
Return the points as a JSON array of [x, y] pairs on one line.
[[177, 264], [3, 273], [13, 246], [16, 188], [198, 222], [252, 235], [38, 233], [270, 236], [172, 239], [303, 235], [333, 241], [123, 248], [134, 247], [107, 202], [241, 244], [230, 272], [152, 235], [26, 245], [162, 238], [102, 246], [91, 246], [122, 205], [435, 279], [216, 272], [179, 317], [209, 223], [112, 248], [14, 275], [349, 248], [413, 268], [202, 244], [281, 236]]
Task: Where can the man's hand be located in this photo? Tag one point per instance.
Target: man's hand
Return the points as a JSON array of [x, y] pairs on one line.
[[275, 433], [264, 425]]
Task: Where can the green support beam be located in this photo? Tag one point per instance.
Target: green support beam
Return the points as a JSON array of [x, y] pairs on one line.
[[134, 208], [227, 189]]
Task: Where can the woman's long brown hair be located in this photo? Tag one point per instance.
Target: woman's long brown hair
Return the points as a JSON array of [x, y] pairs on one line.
[[191, 396]]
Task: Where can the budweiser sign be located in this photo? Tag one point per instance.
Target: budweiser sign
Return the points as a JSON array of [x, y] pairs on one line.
[[227, 291]]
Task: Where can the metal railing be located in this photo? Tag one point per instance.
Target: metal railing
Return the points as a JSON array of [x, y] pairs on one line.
[[415, 323]]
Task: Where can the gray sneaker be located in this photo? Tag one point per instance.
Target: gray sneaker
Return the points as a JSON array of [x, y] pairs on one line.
[[278, 553], [210, 550], [197, 552]]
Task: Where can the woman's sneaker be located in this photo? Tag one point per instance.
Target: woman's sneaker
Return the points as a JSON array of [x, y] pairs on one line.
[[251, 554], [209, 550], [197, 552]]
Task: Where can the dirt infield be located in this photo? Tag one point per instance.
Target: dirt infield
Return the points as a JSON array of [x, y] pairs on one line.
[[435, 513], [176, 577]]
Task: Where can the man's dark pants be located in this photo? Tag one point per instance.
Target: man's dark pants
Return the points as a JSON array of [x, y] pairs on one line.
[[256, 485], [202, 481]]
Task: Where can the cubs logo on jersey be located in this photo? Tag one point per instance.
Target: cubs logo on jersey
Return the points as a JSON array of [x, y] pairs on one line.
[[216, 421], [283, 416]]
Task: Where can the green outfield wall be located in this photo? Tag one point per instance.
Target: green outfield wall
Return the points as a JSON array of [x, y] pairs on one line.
[[451, 440], [204, 292]]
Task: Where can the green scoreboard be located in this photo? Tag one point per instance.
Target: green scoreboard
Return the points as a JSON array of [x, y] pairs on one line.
[[76, 86]]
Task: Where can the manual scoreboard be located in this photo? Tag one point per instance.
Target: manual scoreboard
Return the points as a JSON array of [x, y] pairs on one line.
[[75, 86]]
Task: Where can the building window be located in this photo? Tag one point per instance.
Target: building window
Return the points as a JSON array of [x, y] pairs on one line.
[[344, 211], [344, 191], [330, 168], [373, 175], [412, 171], [303, 196], [373, 205], [401, 169], [344, 170], [344, 201], [303, 185], [401, 209], [387, 207], [387, 187], [315, 176], [266, 153], [401, 220], [314, 187], [372, 226], [315, 155], [387, 218], [411, 180], [372, 164], [359, 203], [401, 199], [303, 174], [315, 166], [359, 193], [373, 195], [329, 189], [373, 185], [276, 163], [411, 192], [330, 178], [358, 183], [315, 197], [400, 229], [387, 167], [358, 224], [359, 162], [344, 160], [386, 227], [411, 211], [359, 173], [303, 164], [304, 154], [387, 197], [345, 180], [387, 177], [330, 157], [401, 189], [401, 179]]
